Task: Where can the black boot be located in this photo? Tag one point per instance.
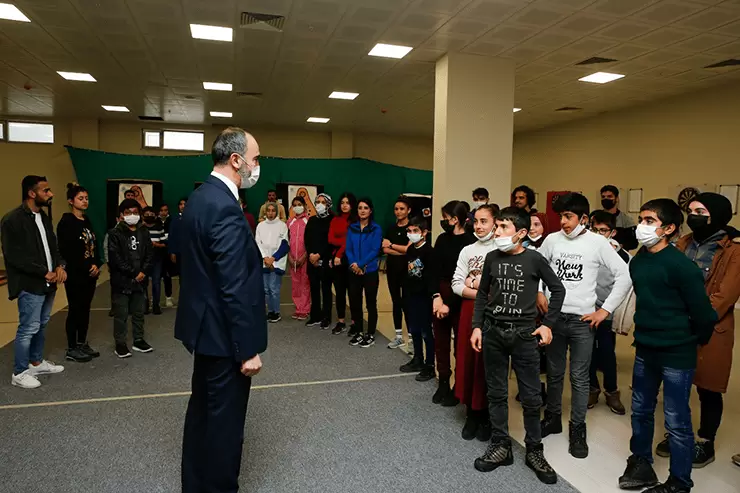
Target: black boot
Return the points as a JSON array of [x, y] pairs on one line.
[[703, 453], [639, 474], [471, 425], [450, 400], [536, 461], [484, 427], [413, 366], [442, 391], [578, 446], [427, 373], [552, 424], [663, 449], [496, 455]]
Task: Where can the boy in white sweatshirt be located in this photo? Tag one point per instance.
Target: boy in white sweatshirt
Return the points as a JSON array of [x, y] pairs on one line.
[[576, 255]]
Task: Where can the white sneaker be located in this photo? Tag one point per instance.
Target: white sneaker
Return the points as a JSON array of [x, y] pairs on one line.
[[25, 380], [396, 343], [168, 303], [45, 368]]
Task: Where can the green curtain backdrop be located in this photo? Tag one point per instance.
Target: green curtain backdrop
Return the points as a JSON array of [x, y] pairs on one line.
[[379, 181]]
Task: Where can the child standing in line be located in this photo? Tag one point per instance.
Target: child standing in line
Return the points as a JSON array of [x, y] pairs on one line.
[[418, 287], [505, 329], [272, 240], [673, 316], [301, 287]]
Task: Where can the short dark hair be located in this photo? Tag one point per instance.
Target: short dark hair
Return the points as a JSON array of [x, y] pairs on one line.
[[232, 140], [29, 183], [163, 205], [128, 204], [604, 217], [527, 191], [272, 190], [455, 208], [572, 202], [404, 200], [480, 191], [519, 217], [420, 222], [610, 188], [149, 208], [667, 210], [73, 189], [299, 199]]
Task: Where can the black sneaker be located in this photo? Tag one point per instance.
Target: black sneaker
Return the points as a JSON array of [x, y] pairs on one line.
[[142, 346], [496, 455], [367, 341], [325, 324], [122, 351], [356, 340], [639, 474], [703, 454], [413, 366], [578, 447], [470, 428], [157, 310], [276, 318], [353, 331], [77, 355], [338, 328], [89, 351], [442, 391], [670, 486], [552, 424], [312, 322], [483, 434], [426, 374], [535, 460], [663, 449]]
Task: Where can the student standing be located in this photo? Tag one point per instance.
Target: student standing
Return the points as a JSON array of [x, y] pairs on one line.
[[364, 239], [167, 267], [77, 246], [714, 246], [446, 304], [159, 241], [340, 268], [418, 287], [395, 245], [625, 224], [673, 315], [272, 240], [130, 254], [470, 379], [505, 330], [300, 285], [537, 230], [319, 262], [577, 255]]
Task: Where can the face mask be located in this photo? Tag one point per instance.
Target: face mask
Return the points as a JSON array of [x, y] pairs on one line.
[[248, 179], [478, 204], [298, 209], [615, 244], [646, 235], [149, 220], [131, 220], [485, 238], [701, 226], [576, 231], [446, 226], [321, 210], [504, 243], [608, 203], [414, 237], [534, 238]]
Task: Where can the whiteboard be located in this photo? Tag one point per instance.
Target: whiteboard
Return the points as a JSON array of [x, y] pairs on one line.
[[635, 200], [731, 192]]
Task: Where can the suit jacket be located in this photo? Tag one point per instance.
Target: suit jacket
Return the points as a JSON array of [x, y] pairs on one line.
[[221, 311]]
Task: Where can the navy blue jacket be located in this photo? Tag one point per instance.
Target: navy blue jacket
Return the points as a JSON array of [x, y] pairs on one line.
[[363, 246], [221, 311]]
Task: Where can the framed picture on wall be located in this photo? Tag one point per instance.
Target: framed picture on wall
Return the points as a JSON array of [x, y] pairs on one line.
[[288, 191], [145, 192]]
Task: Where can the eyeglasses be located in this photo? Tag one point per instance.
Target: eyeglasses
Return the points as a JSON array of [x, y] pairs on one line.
[[601, 231]]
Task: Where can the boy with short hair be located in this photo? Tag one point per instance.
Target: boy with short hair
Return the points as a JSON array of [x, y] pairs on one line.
[[504, 328], [418, 288], [577, 255], [673, 315]]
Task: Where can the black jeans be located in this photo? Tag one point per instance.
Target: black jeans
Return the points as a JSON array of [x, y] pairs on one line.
[[124, 305], [711, 413], [518, 344], [395, 277], [367, 283], [320, 281], [159, 273], [80, 293], [340, 275], [419, 321], [604, 358]]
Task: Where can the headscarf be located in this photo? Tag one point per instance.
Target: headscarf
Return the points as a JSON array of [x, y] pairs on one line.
[[329, 203], [720, 212]]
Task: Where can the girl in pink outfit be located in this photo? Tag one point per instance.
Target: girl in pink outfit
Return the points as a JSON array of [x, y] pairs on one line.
[[297, 258]]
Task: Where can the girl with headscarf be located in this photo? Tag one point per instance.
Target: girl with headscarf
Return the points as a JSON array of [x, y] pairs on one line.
[[319, 261]]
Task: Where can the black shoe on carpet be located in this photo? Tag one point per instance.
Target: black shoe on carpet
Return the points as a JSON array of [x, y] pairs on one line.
[[471, 427], [426, 374], [77, 355], [157, 310], [484, 431], [142, 346], [89, 351], [338, 329], [496, 455], [639, 474], [535, 460], [442, 391], [413, 366], [367, 341], [122, 351]]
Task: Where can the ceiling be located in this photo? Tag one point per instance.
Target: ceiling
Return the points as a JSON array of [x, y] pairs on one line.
[[143, 57]]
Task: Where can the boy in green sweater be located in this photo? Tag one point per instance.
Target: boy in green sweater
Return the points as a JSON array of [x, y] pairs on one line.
[[673, 317]]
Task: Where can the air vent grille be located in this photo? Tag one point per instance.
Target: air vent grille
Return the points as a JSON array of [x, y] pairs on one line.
[[568, 109], [596, 60], [151, 118], [249, 95], [262, 22], [732, 62]]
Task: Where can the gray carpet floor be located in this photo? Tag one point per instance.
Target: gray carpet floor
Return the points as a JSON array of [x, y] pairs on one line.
[[366, 436]]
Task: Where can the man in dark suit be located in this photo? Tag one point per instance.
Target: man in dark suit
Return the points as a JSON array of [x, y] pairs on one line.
[[221, 315]]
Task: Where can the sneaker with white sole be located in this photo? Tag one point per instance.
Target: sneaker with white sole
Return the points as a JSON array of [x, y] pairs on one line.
[[122, 351], [367, 341], [396, 343], [45, 368], [169, 303], [142, 346], [25, 380]]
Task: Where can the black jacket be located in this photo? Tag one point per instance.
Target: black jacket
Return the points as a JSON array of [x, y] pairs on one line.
[[77, 246], [316, 237], [129, 252], [25, 259]]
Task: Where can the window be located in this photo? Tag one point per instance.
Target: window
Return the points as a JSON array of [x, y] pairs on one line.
[[2, 130], [42, 133], [152, 138], [174, 140]]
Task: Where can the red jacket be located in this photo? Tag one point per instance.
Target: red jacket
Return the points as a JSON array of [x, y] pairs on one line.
[[338, 234]]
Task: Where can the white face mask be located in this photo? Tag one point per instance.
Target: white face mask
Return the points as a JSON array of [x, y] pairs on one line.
[[132, 220], [298, 209], [478, 204], [249, 179], [414, 237], [485, 238], [504, 243], [534, 238], [646, 235], [321, 210], [576, 231]]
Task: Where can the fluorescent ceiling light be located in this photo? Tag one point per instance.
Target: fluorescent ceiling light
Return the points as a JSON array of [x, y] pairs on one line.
[[344, 95], [121, 109], [517, 110], [77, 76], [11, 13], [221, 114], [214, 33], [217, 86], [390, 51], [601, 77], [316, 119]]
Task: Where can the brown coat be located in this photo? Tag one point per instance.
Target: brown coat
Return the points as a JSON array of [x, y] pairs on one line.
[[723, 287]]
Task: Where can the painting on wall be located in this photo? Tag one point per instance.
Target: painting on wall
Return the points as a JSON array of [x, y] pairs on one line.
[[143, 193], [288, 191], [146, 192]]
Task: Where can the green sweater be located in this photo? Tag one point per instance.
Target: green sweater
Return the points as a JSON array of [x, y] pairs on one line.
[[673, 313]]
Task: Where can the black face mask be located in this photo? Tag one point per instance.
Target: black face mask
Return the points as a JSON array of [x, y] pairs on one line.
[[607, 203], [149, 219], [446, 226], [701, 226]]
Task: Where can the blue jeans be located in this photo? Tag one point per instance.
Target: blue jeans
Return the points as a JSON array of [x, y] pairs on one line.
[[272, 281], [646, 381], [34, 311]]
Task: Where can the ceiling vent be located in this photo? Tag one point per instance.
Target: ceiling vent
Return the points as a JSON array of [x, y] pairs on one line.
[[151, 118], [262, 22], [568, 109], [248, 95], [732, 62], [596, 60]]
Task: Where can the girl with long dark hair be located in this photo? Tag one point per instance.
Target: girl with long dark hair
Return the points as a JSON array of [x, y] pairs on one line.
[[338, 240], [395, 245]]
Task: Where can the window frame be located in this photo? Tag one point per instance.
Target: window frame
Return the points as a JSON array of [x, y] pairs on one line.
[[6, 132], [161, 132]]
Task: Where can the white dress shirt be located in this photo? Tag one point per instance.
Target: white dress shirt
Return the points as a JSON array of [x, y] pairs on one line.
[[229, 183]]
